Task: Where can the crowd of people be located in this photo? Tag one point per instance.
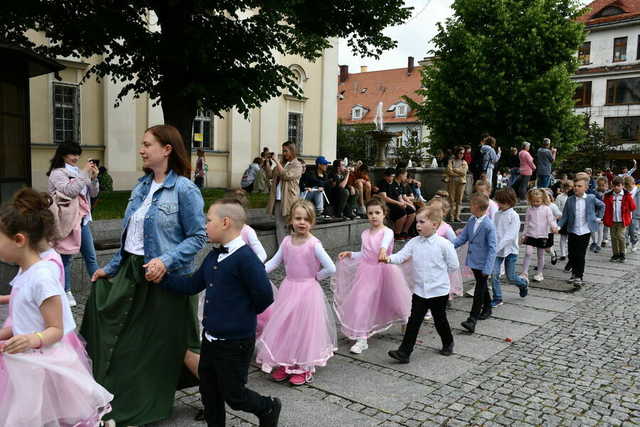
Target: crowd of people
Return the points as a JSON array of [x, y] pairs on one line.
[[141, 337]]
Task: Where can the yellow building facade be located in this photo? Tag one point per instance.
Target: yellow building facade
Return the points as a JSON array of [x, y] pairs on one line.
[[69, 109]]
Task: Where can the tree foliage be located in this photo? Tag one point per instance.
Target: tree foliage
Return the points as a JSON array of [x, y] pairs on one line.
[[356, 143], [210, 54], [593, 152], [504, 67], [413, 149]]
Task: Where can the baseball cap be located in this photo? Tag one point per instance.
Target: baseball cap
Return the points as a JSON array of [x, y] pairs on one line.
[[322, 161]]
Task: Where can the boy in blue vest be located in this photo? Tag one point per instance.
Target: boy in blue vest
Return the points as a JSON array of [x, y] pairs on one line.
[[480, 233], [237, 290]]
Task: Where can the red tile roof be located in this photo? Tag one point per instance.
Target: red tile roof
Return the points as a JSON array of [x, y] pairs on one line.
[[370, 88], [631, 9]]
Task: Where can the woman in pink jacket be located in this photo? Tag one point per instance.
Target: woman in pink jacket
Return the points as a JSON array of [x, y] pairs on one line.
[[526, 170], [73, 187]]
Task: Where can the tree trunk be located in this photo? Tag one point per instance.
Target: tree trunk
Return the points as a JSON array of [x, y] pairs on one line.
[[179, 112]]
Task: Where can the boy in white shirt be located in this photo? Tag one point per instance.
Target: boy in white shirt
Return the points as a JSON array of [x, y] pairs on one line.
[[433, 258], [507, 222]]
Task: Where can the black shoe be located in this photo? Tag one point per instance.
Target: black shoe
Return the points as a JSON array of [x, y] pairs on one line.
[[554, 258], [485, 315], [447, 350], [614, 258], [199, 415], [577, 284], [524, 290], [399, 356], [469, 324], [622, 258], [562, 258], [567, 267], [270, 418]]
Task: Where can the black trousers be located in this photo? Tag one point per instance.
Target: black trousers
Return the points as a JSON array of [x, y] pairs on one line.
[[577, 252], [342, 201], [481, 296], [419, 307], [223, 370]]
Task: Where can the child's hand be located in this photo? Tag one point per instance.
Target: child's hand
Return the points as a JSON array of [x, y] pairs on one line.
[[4, 299], [343, 255], [21, 343], [522, 240], [555, 230], [382, 255]]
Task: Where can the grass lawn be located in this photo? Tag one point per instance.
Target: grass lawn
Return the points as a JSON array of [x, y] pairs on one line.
[[113, 204]]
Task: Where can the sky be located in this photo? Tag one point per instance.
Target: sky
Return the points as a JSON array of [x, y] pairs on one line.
[[413, 37]]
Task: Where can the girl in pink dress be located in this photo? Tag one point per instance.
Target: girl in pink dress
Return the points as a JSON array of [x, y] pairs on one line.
[[370, 296], [300, 334], [45, 374]]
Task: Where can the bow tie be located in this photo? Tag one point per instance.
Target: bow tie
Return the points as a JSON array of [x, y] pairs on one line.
[[221, 250]]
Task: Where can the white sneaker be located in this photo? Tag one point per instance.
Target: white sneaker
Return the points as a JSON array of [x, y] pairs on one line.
[[634, 247], [428, 316], [469, 293], [359, 346], [538, 277], [71, 299]]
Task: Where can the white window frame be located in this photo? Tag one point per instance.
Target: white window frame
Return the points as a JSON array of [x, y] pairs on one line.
[[203, 118], [357, 113], [402, 109], [74, 106]]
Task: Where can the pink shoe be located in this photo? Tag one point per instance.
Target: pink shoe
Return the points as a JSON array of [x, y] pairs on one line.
[[279, 374], [301, 379]]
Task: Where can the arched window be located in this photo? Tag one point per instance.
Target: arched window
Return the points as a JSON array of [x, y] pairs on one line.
[[358, 112], [402, 109]]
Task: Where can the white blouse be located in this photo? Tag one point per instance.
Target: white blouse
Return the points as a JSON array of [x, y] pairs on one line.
[[31, 289], [134, 242]]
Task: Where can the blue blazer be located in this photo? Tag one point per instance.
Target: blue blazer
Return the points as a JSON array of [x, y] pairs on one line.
[[594, 212], [482, 244]]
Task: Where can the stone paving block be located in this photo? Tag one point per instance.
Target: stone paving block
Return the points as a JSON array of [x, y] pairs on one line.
[[426, 364], [497, 328], [523, 314], [367, 387], [551, 304], [299, 408], [468, 345]]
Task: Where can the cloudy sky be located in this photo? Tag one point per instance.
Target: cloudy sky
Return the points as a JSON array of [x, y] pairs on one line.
[[414, 37]]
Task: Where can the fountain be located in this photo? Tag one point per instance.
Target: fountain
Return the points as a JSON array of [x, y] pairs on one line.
[[381, 137]]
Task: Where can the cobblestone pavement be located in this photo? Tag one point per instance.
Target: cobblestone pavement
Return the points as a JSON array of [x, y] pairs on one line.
[[573, 360]]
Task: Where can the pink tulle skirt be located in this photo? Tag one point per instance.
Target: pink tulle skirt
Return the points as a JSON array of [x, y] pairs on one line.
[[51, 387], [369, 297], [300, 333]]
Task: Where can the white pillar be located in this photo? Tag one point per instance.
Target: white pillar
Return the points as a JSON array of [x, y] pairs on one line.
[[120, 139], [239, 147], [269, 124], [329, 115]]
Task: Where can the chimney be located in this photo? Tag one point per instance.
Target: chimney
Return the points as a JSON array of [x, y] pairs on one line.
[[410, 65], [344, 73], [364, 68]]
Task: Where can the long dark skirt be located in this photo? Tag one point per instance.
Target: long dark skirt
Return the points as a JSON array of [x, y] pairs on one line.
[[137, 334]]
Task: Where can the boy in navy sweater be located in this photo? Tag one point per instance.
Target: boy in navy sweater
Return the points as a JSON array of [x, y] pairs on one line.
[[237, 290]]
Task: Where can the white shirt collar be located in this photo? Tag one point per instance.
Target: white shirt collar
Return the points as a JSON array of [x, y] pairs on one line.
[[584, 196], [430, 238], [73, 169], [234, 245], [479, 219]]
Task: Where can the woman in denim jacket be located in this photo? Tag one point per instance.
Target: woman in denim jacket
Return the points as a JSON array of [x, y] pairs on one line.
[[140, 336]]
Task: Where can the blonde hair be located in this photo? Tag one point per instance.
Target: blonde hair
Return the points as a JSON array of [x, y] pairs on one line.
[[307, 206], [431, 213], [480, 200], [232, 209], [482, 183], [240, 195], [628, 180], [444, 205], [537, 192]]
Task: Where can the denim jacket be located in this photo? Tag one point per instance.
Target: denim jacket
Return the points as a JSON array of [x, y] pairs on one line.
[[174, 228]]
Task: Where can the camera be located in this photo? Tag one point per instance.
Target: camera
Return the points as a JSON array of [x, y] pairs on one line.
[[95, 162]]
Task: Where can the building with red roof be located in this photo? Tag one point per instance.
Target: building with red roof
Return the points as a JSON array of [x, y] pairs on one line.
[[359, 95], [609, 72]]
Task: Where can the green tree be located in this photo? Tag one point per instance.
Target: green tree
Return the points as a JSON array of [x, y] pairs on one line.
[[504, 67], [210, 54], [355, 142], [592, 152], [413, 149]]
